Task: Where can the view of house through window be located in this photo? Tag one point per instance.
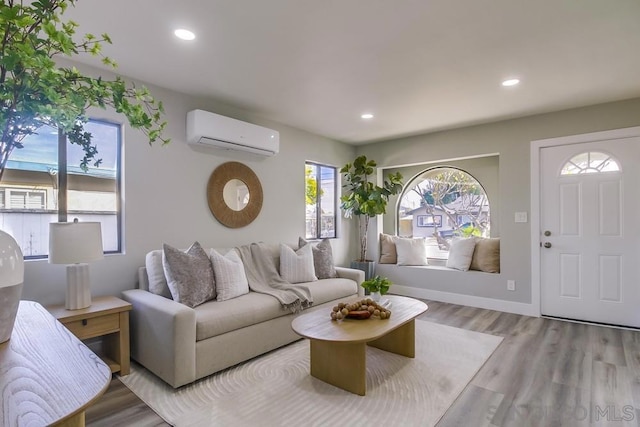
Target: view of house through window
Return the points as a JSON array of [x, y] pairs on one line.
[[30, 190], [441, 203], [320, 200]]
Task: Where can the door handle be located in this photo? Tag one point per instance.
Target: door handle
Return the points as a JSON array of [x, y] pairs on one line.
[[547, 245]]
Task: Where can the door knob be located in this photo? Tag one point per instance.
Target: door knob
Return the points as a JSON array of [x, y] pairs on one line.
[[547, 245]]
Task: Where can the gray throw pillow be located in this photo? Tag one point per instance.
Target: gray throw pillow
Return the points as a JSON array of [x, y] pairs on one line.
[[322, 258], [189, 274]]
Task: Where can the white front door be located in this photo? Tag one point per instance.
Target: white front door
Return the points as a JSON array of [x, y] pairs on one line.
[[590, 231]]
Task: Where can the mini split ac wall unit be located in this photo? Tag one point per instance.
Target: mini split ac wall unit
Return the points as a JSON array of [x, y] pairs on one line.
[[213, 130]]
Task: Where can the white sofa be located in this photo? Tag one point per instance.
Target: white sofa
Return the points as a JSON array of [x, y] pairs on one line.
[[181, 344]]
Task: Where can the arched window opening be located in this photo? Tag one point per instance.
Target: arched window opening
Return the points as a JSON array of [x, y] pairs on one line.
[[441, 203], [590, 162]]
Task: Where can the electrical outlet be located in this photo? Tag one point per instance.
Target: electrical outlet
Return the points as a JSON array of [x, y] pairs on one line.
[[511, 285]]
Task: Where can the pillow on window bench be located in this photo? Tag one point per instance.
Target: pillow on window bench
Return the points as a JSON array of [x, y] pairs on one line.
[[411, 251], [461, 253], [388, 252], [486, 256]]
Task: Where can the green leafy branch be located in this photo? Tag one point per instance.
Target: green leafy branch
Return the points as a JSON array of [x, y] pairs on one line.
[[35, 92]]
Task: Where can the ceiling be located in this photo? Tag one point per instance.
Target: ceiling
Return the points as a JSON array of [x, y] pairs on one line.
[[417, 65]]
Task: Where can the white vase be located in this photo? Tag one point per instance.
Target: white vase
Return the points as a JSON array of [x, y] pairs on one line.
[[11, 279], [376, 296]]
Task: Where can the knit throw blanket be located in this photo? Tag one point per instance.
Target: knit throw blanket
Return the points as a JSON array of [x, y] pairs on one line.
[[261, 266]]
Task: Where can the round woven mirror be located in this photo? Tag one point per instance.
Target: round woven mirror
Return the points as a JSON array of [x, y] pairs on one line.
[[234, 194]]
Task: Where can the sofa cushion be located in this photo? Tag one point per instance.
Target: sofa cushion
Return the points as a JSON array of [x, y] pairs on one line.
[[189, 274], [231, 280], [218, 317], [330, 289], [322, 258], [297, 266]]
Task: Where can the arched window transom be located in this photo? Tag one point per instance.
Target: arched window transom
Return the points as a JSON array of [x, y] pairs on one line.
[[590, 162]]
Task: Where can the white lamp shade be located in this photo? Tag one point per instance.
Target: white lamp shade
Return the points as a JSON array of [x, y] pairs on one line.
[[75, 242], [11, 261]]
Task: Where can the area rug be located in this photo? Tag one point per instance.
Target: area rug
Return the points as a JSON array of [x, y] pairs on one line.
[[276, 389]]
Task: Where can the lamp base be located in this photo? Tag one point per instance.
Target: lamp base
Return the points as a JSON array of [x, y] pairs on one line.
[[9, 301], [78, 287]]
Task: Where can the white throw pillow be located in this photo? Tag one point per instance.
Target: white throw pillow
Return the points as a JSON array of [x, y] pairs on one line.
[[411, 251], [231, 280], [155, 274], [461, 253], [297, 266]]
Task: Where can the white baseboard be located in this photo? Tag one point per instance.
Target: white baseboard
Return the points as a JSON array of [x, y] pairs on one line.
[[468, 300]]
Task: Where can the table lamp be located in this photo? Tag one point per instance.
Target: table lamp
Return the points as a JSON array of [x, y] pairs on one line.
[[76, 243], [11, 278]]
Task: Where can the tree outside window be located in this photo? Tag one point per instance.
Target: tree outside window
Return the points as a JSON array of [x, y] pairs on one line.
[[441, 203], [38, 189], [320, 201]]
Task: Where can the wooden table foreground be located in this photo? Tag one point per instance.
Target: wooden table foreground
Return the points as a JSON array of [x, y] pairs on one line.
[[338, 348], [47, 375]]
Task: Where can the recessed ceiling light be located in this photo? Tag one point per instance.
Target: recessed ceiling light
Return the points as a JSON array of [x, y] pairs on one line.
[[510, 82], [183, 34], [367, 116]]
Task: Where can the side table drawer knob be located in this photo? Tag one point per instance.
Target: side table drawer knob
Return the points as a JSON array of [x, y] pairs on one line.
[[84, 322]]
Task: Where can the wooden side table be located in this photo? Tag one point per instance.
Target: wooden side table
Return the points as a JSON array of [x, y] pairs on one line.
[[107, 317], [47, 376]]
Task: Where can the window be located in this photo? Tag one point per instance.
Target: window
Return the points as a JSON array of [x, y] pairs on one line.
[[429, 221], [320, 200], [590, 162], [34, 185], [441, 203]]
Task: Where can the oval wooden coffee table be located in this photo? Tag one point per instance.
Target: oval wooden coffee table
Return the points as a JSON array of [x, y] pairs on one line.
[[338, 348]]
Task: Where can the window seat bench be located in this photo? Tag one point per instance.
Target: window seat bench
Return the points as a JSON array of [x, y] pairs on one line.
[[443, 279]]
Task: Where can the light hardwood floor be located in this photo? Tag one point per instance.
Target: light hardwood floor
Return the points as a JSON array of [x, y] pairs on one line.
[[545, 373]]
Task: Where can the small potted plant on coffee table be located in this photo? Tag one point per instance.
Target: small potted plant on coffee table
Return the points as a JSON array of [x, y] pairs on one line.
[[377, 286]]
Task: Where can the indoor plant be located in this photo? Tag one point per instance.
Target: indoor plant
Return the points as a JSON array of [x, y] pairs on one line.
[[365, 200], [377, 286], [36, 91]]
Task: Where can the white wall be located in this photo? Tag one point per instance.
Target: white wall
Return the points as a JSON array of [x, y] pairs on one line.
[[511, 140], [165, 197]]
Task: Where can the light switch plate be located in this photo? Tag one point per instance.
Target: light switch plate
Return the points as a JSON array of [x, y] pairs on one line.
[[521, 217]]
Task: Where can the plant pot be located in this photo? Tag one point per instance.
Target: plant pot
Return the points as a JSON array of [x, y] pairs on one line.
[[376, 296], [11, 279], [369, 268]]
